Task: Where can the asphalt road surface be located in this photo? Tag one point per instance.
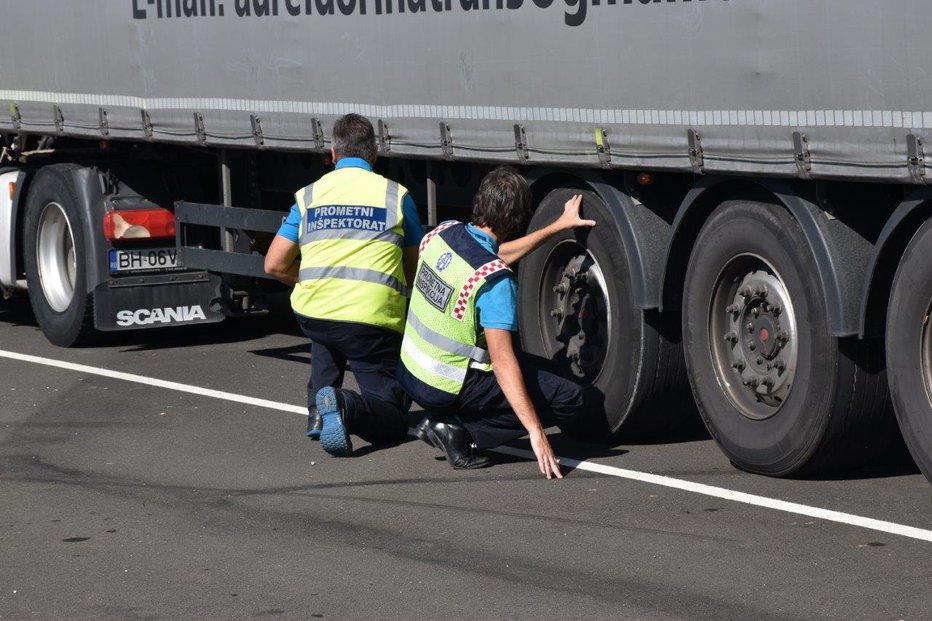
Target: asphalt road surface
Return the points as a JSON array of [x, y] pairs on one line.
[[132, 497]]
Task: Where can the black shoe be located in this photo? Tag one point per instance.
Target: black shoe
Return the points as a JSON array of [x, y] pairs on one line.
[[422, 432], [457, 445], [314, 423]]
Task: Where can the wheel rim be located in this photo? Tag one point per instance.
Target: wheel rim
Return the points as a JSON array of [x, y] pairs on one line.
[[927, 352], [56, 257], [753, 336], [575, 313]]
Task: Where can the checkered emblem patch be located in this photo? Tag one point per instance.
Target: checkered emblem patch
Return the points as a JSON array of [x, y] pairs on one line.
[[434, 233], [462, 300], [444, 261]]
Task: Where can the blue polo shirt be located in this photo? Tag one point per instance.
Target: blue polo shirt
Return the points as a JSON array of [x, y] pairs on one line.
[[497, 302], [411, 223]]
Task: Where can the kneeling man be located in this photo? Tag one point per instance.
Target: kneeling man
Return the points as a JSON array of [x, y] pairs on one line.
[[457, 357]]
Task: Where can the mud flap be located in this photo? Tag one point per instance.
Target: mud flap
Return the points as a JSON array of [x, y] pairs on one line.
[[157, 301]]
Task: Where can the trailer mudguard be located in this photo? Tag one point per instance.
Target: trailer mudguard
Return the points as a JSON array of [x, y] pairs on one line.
[[90, 192], [841, 255], [643, 232], [896, 234]]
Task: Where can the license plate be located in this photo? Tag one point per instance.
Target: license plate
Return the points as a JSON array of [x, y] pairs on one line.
[[143, 260]]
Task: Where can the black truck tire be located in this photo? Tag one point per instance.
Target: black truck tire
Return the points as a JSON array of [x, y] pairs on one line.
[[909, 347], [628, 360], [779, 394], [54, 249]]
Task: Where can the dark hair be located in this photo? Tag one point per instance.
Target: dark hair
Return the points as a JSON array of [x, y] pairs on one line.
[[353, 136], [502, 203]]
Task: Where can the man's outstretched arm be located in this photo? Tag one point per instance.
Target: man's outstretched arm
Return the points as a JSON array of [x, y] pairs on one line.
[[508, 373]]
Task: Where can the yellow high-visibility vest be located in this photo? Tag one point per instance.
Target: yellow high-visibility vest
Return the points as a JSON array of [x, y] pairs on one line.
[[351, 240], [442, 339]]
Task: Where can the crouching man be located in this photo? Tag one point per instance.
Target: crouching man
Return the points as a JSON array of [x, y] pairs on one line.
[[349, 289], [457, 357]]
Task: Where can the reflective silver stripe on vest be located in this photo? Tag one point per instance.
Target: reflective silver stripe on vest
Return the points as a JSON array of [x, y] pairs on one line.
[[434, 366], [388, 235], [306, 198], [391, 205], [447, 344], [308, 195], [353, 273]]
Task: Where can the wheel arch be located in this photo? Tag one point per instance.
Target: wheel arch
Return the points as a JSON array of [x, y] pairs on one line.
[[825, 241], [642, 236], [88, 187], [889, 248]]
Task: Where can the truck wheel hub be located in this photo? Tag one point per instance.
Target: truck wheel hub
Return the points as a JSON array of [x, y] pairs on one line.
[[577, 319], [755, 341], [56, 257]]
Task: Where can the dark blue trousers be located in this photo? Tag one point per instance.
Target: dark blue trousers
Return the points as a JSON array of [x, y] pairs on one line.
[[485, 412], [378, 413]]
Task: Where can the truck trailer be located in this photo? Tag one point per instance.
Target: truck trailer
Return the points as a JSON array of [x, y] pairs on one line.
[[756, 168]]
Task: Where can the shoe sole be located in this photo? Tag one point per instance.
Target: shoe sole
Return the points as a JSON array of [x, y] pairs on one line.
[[333, 436], [481, 462]]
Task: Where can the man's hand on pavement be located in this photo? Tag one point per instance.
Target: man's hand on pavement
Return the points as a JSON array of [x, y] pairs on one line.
[[546, 460]]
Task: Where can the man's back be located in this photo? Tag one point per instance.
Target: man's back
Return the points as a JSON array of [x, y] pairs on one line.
[[351, 238]]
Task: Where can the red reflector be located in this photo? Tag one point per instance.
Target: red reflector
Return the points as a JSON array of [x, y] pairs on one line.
[[139, 224]]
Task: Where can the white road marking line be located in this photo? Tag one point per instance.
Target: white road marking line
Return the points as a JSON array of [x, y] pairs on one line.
[[633, 475], [151, 381], [727, 494]]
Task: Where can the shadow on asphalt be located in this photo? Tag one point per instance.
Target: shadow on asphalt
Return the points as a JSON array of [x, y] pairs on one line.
[[565, 446], [691, 431], [294, 353], [895, 462], [235, 330], [372, 448], [17, 311], [896, 466]]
